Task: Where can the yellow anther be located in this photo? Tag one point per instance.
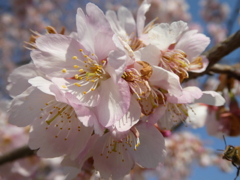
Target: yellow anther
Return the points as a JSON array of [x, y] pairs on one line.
[[76, 76], [92, 80], [85, 61], [80, 50], [85, 55], [74, 57], [93, 54], [64, 70], [92, 89], [84, 92], [64, 86], [76, 84], [81, 70], [76, 66]]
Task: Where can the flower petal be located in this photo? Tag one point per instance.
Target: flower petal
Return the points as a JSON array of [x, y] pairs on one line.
[[114, 101], [141, 17], [55, 53], [18, 79], [59, 137], [150, 54], [30, 102], [115, 164], [163, 35], [211, 98], [190, 93], [166, 80], [193, 44], [151, 150], [131, 117]]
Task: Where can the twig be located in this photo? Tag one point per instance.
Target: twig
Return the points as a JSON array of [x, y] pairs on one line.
[[216, 53], [19, 153], [233, 70]]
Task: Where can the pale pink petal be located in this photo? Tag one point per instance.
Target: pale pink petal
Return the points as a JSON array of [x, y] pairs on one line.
[[115, 25], [166, 80], [193, 44], [27, 106], [163, 35], [114, 103], [90, 99], [195, 69], [190, 93], [213, 126], [117, 62], [126, 20], [151, 150], [211, 98], [131, 117], [42, 84], [166, 122], [18, 79], [115, 164], [61, 136], [55, 53], [157, 114], [94, 31], [150, 54], [197, 115], [141, 17]]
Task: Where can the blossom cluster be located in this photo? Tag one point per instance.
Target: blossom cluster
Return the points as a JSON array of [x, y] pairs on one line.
[[105, 91]]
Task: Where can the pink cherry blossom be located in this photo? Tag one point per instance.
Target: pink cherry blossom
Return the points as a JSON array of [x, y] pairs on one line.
[[54, 123], [115, 154], [177, 50], [84, 66]]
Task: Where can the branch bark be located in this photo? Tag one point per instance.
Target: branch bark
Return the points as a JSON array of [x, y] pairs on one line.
[[216, 53], [19, 153], [233, 70]]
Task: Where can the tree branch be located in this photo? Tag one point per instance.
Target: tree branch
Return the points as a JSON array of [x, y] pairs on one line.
[[19, 153], [233, 70], [216, 53]]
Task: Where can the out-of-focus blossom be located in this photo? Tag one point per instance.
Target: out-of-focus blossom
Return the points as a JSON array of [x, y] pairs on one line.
[[167, 11], [217, 31], [214, 11], [183, 149]]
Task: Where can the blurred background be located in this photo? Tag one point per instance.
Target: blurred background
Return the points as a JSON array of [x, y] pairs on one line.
[[192, 152]]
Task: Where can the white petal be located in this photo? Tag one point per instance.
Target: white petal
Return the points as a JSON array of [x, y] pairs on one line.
[[151, 150], [211, 98], [27, 106], [163, 35], [141, 16], [131, 117]]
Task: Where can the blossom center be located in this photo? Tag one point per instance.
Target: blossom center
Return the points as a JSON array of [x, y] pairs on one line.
[[175, 61], [89, 72], [59, 118]]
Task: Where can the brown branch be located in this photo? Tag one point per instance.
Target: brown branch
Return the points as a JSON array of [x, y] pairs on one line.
[[216, 53], [233, 71], [19, 153]]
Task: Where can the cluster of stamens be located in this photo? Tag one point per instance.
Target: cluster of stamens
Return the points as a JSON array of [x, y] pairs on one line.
[[114, 147], [88, 72], [59, 115], [176, 62], [149, 97]]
